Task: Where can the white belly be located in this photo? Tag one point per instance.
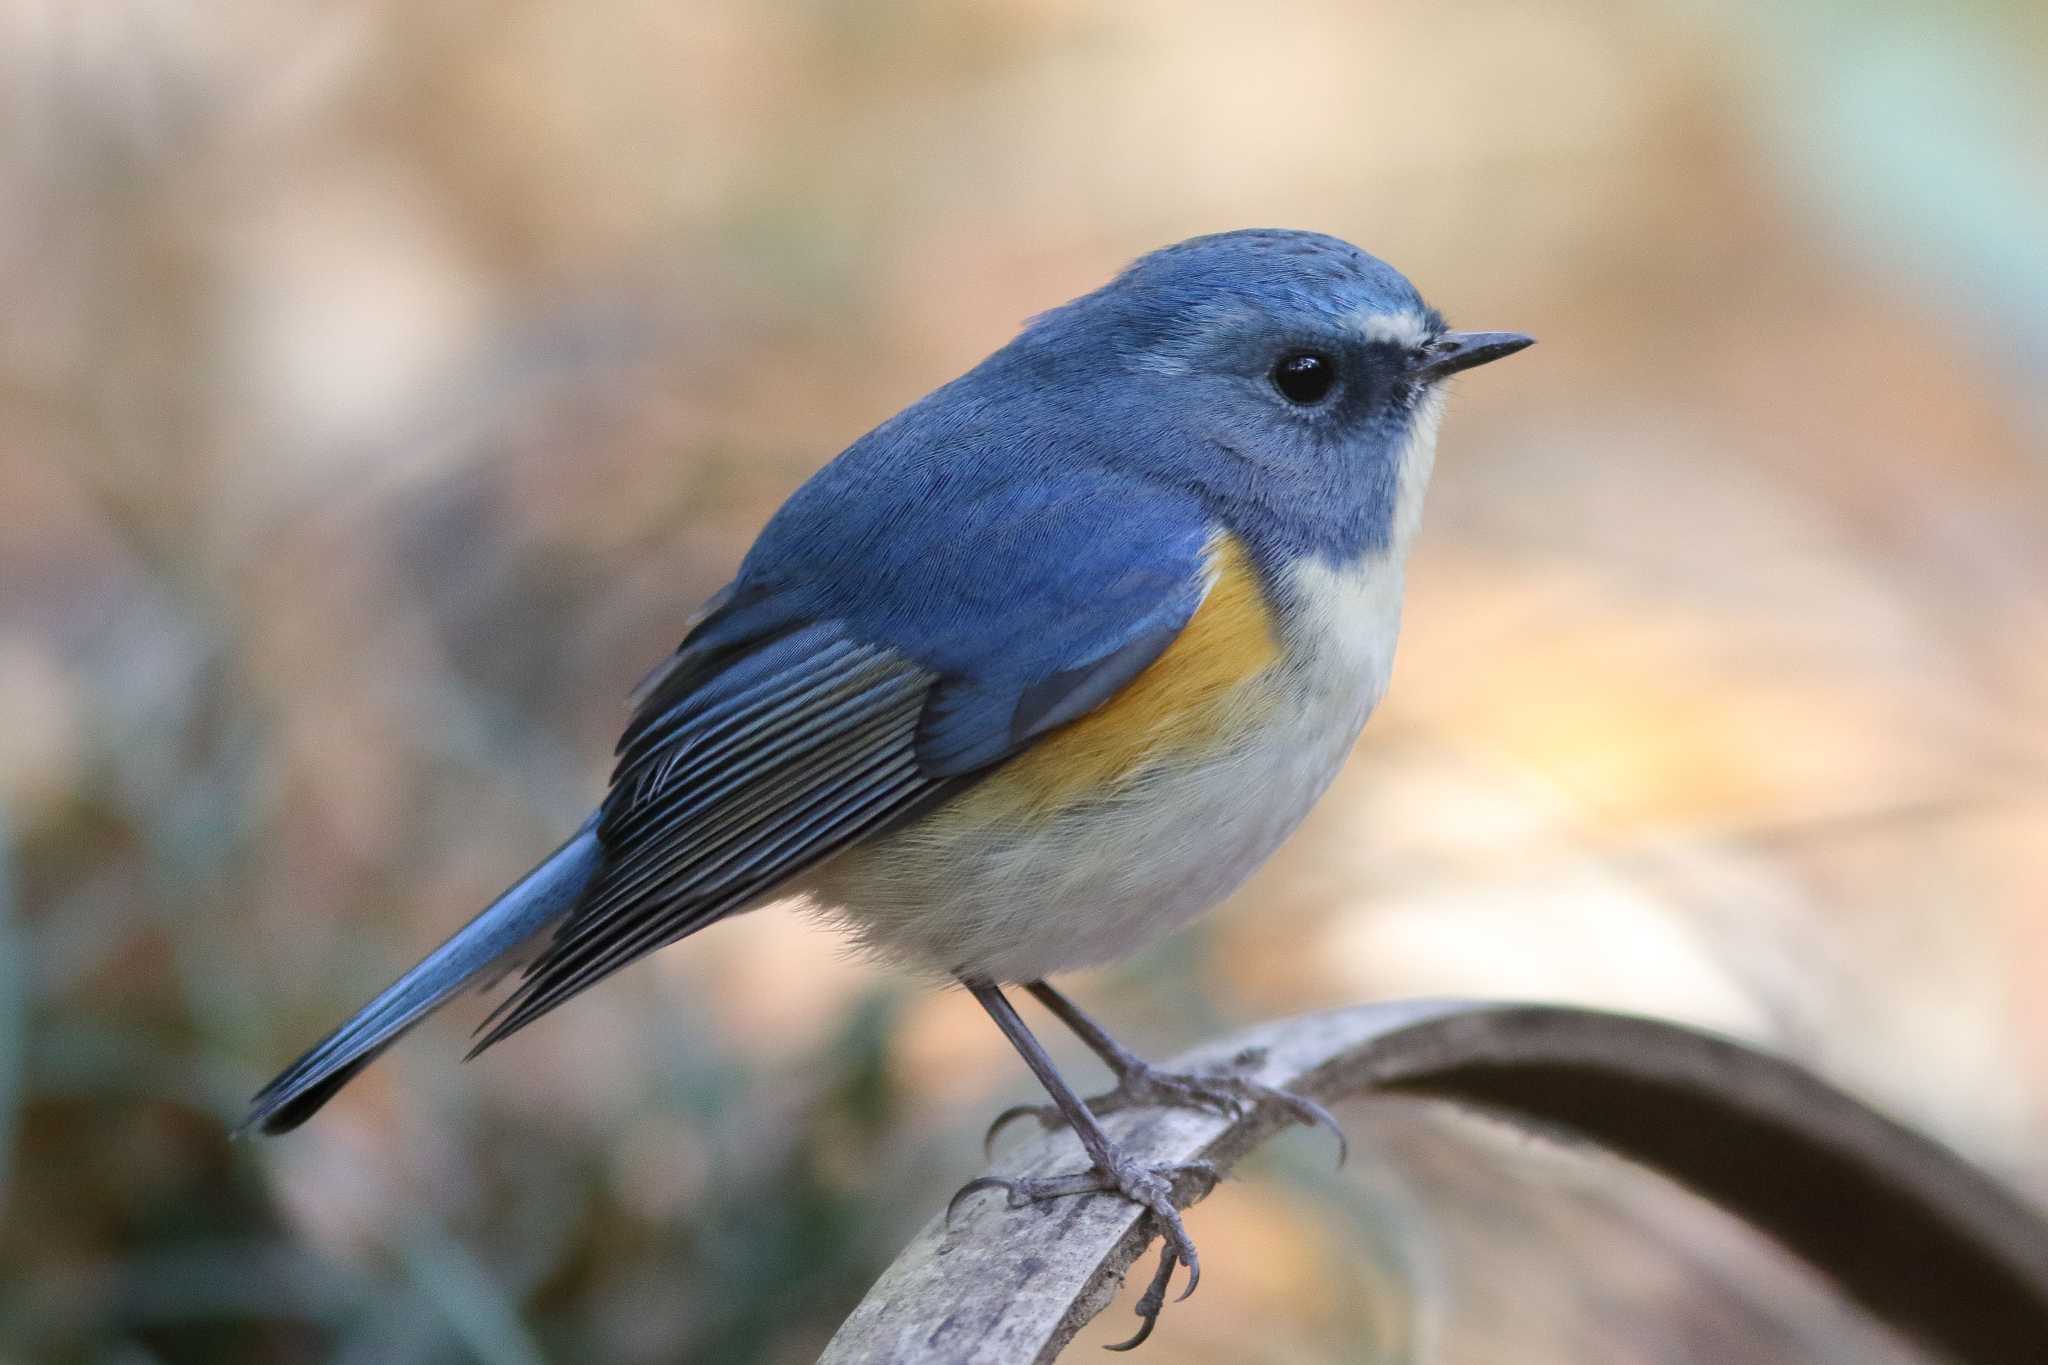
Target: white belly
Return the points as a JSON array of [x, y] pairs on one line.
[[1019, 902]]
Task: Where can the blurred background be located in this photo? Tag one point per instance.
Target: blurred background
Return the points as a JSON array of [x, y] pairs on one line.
[[382, 386]]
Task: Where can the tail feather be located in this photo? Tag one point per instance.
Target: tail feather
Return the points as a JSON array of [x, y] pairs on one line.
[[475, 955]]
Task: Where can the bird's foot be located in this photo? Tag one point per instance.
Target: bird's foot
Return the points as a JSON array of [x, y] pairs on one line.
[[1152, 1187], [1140, 1084]]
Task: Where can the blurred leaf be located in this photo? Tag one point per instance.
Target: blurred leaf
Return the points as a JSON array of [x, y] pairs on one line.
[[469, 1298]]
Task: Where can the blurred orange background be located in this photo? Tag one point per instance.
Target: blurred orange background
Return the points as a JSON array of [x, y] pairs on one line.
[[382, 386]]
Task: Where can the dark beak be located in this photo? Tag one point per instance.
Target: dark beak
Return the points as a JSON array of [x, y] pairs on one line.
[[1455, 351]]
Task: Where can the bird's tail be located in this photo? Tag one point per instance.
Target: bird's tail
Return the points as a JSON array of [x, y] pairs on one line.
[[476, 954]]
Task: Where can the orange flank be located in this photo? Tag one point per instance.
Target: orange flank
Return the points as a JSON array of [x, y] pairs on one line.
[[1189, 701]]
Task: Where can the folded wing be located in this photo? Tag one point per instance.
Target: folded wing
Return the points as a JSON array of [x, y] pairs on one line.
[[816, 704]]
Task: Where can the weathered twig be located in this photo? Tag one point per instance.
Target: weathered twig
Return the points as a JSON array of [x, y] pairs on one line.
[[1899, 1223]]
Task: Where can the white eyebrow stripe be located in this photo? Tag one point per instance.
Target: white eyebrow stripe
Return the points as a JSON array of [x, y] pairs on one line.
[[1405, 327]]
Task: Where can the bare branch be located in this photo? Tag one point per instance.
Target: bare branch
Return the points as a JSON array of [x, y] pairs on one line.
[[1897, 1222]]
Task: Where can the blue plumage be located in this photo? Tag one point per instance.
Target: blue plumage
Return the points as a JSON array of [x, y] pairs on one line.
[[474, 955], [991, 565], [993, 573]]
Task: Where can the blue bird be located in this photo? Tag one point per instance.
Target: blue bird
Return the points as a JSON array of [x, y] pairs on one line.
[[1032, 673]]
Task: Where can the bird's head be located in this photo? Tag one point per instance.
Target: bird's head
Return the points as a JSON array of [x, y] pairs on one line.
[[1290, 376]]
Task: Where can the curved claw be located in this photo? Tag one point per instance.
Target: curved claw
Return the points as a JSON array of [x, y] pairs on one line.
[[1174, 1234], [1303, 1109], [1153, 1301], [1004, 1120], [976, 1186], [1313, 1114], [1137, 1338], [1185, 1253]]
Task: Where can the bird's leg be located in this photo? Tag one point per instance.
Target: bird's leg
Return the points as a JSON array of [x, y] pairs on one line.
[[1139, 1083], [1113, 1169]]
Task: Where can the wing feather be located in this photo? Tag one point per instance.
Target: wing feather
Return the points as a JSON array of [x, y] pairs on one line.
[[774, 793], [765, 769], [716, 722], [796, 729], [806, 710]]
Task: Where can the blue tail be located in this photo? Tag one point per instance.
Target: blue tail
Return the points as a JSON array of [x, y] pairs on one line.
[[477, 952]]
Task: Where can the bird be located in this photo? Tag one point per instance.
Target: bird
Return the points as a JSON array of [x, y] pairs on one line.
[[1030, 675]]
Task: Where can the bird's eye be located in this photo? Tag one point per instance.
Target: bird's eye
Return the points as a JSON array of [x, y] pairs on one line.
[[1305, 377]]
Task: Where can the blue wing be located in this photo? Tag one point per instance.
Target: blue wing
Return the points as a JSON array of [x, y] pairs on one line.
[[1031, 595], [913, 616]]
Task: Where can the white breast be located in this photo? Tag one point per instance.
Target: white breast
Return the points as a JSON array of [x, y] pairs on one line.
[[1019, 903]]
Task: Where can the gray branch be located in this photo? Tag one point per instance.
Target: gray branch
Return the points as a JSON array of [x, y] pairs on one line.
[[1897, 1222]]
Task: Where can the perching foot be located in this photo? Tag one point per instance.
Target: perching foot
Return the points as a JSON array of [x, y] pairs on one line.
[[1149, 1186]]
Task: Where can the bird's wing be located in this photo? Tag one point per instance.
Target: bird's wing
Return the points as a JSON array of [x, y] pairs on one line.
[[826, 696]]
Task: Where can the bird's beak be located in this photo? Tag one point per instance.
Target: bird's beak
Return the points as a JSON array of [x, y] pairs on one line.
[[1455, 351]]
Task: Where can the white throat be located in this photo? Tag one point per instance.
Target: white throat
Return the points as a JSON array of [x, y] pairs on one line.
[[1418, 461]]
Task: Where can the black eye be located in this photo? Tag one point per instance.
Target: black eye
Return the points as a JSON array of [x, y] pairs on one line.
[[1305, 377]]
